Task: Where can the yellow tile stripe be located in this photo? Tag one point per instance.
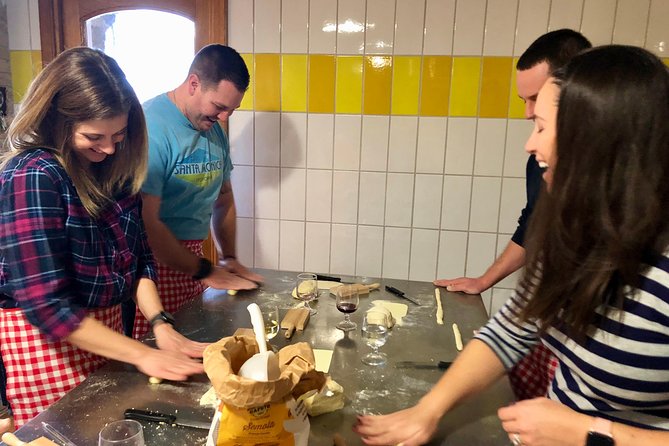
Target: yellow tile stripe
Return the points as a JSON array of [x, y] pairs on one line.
[[25, 64], [349, 84]]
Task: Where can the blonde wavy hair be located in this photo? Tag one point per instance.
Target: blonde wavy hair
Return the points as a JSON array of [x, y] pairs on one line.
[[83, 84]]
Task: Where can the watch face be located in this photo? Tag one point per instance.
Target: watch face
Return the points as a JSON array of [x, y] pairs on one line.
[[597, 439]]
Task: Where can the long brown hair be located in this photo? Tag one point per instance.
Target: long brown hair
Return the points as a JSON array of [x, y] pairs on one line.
[[83, 84], [607, 212]]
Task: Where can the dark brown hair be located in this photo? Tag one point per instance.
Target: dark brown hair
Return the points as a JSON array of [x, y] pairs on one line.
[[607, 212]]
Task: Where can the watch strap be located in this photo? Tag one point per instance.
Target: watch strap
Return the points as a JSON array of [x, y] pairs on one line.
[[162, 318], [204, 269]]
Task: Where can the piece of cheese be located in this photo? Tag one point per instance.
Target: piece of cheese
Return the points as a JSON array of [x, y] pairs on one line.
[[397, 310]]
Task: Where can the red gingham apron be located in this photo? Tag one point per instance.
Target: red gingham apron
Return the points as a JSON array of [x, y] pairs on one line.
[[174, 288], [532, 376], [39, 372]]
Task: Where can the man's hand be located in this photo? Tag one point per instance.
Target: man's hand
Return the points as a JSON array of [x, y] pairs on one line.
[[222, 279], [237, 268], [167, 338], [465, 284]]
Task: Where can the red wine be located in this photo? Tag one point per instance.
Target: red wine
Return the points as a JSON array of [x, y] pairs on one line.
[[347, 307]]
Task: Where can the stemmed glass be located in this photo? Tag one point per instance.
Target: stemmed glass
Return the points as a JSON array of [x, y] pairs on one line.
[[122, 433], [347, 302], [375, 335], [306, 289]]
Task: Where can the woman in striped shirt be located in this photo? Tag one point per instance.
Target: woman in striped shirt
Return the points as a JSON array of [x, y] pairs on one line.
[[72, 242], [596, 287]]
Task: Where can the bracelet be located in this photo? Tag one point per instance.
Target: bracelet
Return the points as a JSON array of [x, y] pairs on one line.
[[204, 269]]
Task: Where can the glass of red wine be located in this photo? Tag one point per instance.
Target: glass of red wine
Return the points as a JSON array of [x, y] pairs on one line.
[[347, 303]]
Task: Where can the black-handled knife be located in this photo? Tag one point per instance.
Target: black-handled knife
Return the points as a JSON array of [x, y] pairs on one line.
[[329, 278], [443, 365], [159, 417], [401, 294]]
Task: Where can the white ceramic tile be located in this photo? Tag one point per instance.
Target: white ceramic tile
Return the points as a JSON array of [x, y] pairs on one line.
[[469, 21], [598, 19], [657, 37], [531, 23], [291, 242], [396, 247], [369, 255], [510, 280], [380, 27], [317, 247], [293, 193], [489, 156], [439, 25], [267, 26], [320, 138], [267, 192], [480, 253], [322, 26], [500, 27], [18, 25], [431, 145], [460, 143], [402, 144], [293, 139], [372, 198], [267, 138], [409, 25], [484, 213], [374, 150], [351, 27], [499, 298], [456, 202], [240, 33], [266, 246], [33, 9], [515, 157], [565, 14], [427, 201], [242, 187], [347, 142], [244, 241], [342, 249], [294, 26], [631, 21], [399, 199], [241, 137], [452, 254], [344, 197], [424, 249], [319, 195], [514, 198]]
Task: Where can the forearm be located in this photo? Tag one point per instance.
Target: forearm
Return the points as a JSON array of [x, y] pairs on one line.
[[625, 435], [147, 298], [512, 259], [224, 223]]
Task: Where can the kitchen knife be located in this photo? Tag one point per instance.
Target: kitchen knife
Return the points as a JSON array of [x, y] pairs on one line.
[[401, 294], [422, 365], [159, 417], [328, 278]]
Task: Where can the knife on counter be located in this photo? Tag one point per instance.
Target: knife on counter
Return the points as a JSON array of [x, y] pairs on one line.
[[159, 417], [401, 294], [443, 365]]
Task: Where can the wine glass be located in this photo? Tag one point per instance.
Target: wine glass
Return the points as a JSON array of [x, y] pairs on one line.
[[375, 335], [347, 302], [122, 433], [306, 289]]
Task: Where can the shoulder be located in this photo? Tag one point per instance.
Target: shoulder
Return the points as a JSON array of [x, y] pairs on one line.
[[36, 161]]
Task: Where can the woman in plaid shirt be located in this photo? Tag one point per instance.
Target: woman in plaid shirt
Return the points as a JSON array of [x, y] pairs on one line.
[[72, 243]]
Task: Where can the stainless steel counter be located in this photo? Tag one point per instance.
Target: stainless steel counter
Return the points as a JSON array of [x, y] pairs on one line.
[[107, 393]]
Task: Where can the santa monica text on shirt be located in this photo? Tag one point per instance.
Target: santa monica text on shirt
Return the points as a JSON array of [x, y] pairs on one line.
[[194, 168]]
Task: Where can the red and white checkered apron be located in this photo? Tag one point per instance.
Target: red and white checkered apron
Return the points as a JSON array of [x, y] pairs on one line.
[[39, 372], [531, 377], [174, 288]]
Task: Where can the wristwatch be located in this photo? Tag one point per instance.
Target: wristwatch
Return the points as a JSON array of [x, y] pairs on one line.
[[600, 433], [162, 318], [204, 268]]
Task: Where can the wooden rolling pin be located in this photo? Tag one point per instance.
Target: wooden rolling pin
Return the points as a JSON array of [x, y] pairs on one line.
[[363, 290], [13, 440], [295, 319]]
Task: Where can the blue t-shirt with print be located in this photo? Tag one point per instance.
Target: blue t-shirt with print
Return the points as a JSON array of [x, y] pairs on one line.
[[187, 168]]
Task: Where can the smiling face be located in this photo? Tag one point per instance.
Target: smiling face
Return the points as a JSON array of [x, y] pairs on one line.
[[542, 142], [93, 141], [206, 106], [529, 82]]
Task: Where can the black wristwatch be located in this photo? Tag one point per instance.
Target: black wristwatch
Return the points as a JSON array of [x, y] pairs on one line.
[[204, 268], [600, 433], [162, 318]]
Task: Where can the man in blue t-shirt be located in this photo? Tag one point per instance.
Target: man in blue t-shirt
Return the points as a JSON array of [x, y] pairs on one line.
[[188, 189]]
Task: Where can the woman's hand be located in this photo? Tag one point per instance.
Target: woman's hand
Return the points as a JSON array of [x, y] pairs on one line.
[[543, 422], [168, 339], [168, 365], [409, 427]]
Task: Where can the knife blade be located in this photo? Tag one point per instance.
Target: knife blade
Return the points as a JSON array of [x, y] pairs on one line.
[[401, 294], [159, 417], [443, 365]]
